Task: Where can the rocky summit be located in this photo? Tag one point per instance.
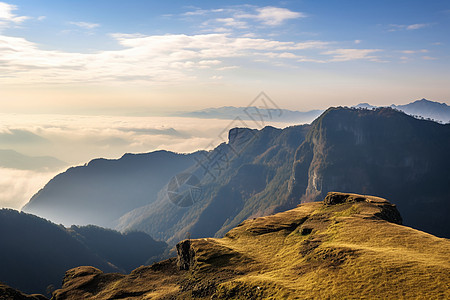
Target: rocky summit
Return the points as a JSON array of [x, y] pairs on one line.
[[347, 246]]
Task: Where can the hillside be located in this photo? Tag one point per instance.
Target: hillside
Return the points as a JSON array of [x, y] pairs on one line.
[[8, 293], [125, 250], [346, 247], [36, 252], [380, 151], [246, 177], [103, 190]]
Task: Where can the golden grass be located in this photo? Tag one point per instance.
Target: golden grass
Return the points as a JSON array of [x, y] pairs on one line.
[[357, 258], [315, 251]]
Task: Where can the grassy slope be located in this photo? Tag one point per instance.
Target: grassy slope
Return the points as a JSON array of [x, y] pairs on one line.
[[355, 257], [349, 253]]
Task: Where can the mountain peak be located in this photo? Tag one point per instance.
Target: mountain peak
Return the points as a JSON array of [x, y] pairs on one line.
[[240, 135]]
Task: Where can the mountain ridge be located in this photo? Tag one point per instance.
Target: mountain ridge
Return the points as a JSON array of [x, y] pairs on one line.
[[37, 252], [422, 108], [95, 194], [383, 151], [254, 113], [259, 172]]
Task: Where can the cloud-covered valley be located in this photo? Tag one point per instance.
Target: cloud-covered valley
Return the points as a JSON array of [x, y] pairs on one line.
[[78, 139]]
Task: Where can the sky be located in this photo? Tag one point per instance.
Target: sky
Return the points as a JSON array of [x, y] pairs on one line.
[[110, 57], [100, 78]]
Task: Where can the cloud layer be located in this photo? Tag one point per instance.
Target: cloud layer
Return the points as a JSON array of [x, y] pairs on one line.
[[78, 139], [18, 186], [234, 37], [155, 59], [7, 15]]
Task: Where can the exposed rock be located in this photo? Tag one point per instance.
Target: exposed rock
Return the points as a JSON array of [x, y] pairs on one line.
[[387, 211], [338, 198], [185, 254]]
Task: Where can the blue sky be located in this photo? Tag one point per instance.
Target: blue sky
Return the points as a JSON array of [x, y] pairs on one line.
[[59, 56]]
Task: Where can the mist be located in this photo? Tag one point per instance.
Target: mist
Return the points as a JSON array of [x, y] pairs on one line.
[[76, 139]]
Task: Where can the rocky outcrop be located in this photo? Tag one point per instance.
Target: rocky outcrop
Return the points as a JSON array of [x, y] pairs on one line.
[[333, 198], [185, 255], [387, 211]]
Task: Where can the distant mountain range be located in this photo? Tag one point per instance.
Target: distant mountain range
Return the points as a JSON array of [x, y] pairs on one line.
[[253, 113], [36, 253], [15, 160], [258, 172], [421, 108]]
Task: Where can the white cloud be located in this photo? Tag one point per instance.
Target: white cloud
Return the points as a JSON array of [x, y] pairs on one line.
[[429, 58], [416, 26], [18, 186], [197, 12], [272, 16], [413, 51], [319, 61], [218, 29], [352, 54], [397, 27], [85, 25], [231, 22], [201, 12], [210, 62], [157, 59], [7, 15], [41, 18], [357, 41], [239, 17], [228, 68]]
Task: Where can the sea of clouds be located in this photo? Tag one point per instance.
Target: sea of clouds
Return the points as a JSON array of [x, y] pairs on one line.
[[76, 140]]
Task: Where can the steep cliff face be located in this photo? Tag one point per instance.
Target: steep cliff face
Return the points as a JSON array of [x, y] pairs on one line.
[[246, 177], [348, 246], [382, 152]]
